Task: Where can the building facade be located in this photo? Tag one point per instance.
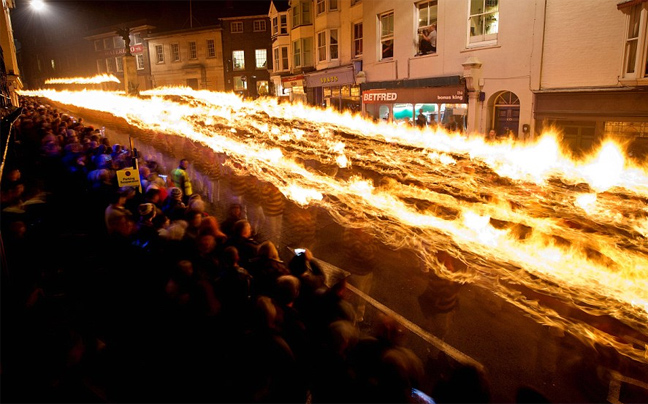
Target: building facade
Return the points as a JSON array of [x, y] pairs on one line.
[[589, 94], [10, 73], [191, 57], [109, 49], [247, 48]]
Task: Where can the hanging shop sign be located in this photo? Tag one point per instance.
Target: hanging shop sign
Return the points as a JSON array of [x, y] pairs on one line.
[[331, 78]]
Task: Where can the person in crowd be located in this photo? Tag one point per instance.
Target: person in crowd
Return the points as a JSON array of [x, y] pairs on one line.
[[243, 242], [234, 214], [180, 178], [267, 267], [173, 206]]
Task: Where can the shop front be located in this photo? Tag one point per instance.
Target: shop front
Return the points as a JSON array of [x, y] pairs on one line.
[[294, 88], [585, 118], [335, 88], [445, 106]]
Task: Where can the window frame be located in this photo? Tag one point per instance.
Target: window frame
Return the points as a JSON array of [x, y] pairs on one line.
[[482, 39], [120, 64], [262, 26], [283, 24], [421, 25], [193, 50], [175, 52], [302, 14], [389, 37], [639, 14], [256, 59], [237, 24], [235, 59], [211, 48], [304, 53], [235, 81], [356, 41], [159, 54], [139, 59]]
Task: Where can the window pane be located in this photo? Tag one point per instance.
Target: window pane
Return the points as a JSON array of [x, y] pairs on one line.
[[387, 25], [211, 48], [238, 60], [284, 58], [476, 7], [308, 51], [631, 58], [192, 50], [321, 46], [334, 44], [388, 49], [357, 39], [261, 58], [333, 4]]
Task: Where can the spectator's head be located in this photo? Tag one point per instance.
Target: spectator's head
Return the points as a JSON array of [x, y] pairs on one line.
[[286, 289], [146, 211], [184, 164], [268, 250], [176, 193], [242, 229]]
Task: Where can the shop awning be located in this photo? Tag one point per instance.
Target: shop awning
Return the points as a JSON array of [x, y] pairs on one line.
[[331, 77]]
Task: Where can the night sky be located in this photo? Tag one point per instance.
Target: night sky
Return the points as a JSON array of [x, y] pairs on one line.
[[165, 15]]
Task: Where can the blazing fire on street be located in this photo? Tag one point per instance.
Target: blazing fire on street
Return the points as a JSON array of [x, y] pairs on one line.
[[564, 240]]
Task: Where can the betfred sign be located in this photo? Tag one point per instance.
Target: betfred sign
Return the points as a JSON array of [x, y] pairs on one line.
[[420, 95], [378, 97]]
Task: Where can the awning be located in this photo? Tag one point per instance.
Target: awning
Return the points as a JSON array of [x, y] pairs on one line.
[[629, 3]]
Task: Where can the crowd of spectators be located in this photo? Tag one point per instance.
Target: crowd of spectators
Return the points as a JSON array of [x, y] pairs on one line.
[[116, 294]]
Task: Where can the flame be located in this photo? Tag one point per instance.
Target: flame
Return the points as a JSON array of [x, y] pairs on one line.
[[102, 78], [524, 217]]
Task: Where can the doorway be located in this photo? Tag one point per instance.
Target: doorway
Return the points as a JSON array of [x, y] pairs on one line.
[[506, 114]]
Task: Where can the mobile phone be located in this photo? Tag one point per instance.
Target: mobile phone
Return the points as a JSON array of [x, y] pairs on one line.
[[420, 397], [300, 251]]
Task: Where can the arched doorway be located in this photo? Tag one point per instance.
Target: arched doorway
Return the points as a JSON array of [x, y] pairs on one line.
[[506, 114]]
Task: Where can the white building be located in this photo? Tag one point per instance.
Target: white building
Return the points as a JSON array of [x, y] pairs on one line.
[[593, 76], [476, 77]]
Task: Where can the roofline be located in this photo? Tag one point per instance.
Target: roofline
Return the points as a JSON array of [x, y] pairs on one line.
[[244, 17], [183, 31]]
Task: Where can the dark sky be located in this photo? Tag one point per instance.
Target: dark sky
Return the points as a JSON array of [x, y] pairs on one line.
[[165, 15]]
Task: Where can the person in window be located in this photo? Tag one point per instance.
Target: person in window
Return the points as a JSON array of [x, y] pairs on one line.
[[427, 40], [421, 120], [388, 49]]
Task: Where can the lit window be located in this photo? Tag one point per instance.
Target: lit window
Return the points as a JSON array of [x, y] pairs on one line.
[[238, 60], [259, 25], [635, 64], [387, 35], [120, 64], [159, 52], [263, 87], [211, 48], [193, 54], [237, 27], [357, 39], [140, 61], [427, 27], [119, 42], [175, 52], [484, 20], [261, 58], [240, 83]]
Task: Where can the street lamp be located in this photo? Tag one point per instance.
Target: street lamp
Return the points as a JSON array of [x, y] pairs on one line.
[[37, 5]]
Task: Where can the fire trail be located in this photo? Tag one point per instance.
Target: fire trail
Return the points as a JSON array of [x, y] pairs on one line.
[[563, 240]]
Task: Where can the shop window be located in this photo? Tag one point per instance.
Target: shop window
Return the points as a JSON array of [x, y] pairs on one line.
[[635, 62], [484, 21], [263, 87], [261, 58], [383, 112], [429, 111], [159, 53], [427, 27], [240, 83], [403, 114], [211, 48], [627, 129], [175, 52], [238, 60], [140, 61], [357, 39], [387, 35], [236, 27], [453, 117]]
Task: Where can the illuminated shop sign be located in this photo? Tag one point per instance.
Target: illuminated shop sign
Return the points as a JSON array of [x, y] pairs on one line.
[[422, 95]]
